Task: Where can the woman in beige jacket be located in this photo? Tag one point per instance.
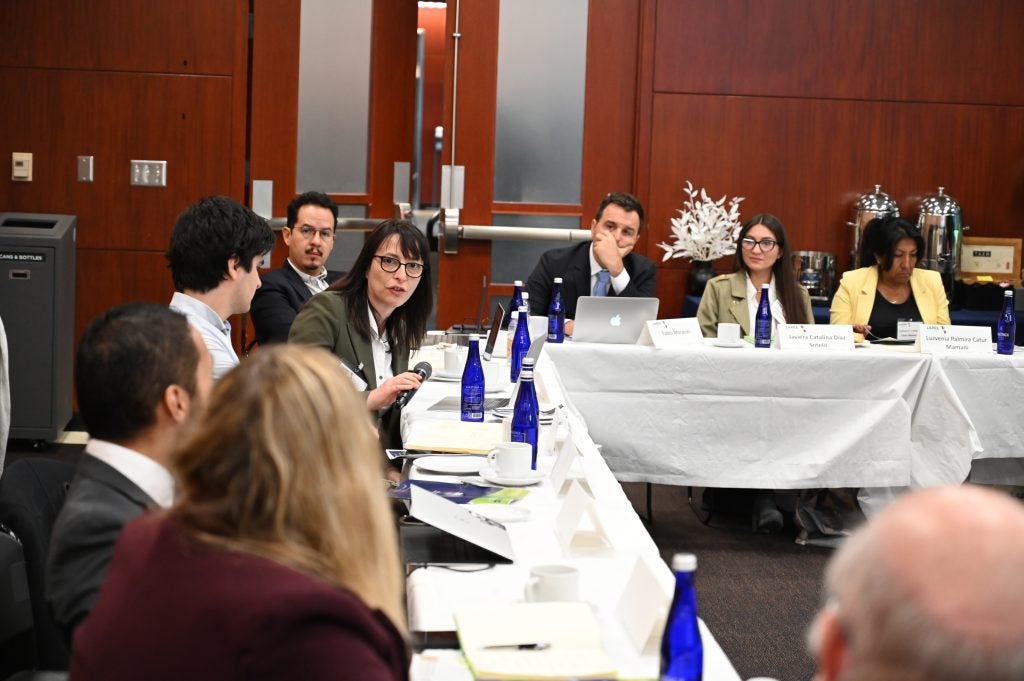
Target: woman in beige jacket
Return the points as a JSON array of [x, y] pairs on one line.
[[763, 257]]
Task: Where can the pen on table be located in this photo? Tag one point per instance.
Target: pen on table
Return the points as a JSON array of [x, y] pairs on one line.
[[520, 646]]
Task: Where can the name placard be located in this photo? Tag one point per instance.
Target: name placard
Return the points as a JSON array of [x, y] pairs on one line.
[[815, 337], [671, 333], [935, 339]]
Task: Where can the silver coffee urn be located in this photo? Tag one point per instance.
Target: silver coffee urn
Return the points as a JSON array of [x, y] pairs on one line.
[[867, 208], [941, 227]]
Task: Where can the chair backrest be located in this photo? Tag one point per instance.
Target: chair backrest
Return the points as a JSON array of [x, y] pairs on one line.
[[15, 608], [32, 491]]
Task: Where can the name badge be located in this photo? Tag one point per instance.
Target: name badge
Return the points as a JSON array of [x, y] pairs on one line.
[[936, 340], [815, 337], [671, 333]]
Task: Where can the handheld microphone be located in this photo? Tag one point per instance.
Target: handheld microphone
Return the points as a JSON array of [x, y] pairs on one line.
[[423, 370]]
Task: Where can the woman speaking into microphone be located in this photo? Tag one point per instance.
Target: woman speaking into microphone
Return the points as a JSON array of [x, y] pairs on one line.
[[374, 317]]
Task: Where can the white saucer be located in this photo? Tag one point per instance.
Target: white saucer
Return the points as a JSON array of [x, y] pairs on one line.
[[450, 465], [719, 343], [488, 387], [491, 476], [501, 513], [445, 376]]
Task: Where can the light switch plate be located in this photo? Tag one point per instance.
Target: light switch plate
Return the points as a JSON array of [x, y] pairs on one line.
[[149, 173], [21, 166], [85, 169]]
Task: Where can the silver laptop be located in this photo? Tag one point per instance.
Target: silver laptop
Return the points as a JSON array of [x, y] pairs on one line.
[[612, 319]]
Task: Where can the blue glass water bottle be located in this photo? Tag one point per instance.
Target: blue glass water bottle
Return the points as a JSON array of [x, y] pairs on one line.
[[763, 321], [556, 314], [473, 384], [521, 342], [682, 653], [526, 412], [1006, 331], [517, 300]]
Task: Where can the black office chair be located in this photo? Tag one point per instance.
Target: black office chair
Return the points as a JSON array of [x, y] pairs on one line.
[[32, 492]]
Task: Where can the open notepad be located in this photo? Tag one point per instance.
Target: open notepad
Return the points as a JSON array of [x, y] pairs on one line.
[[489, 637], [455, 437]]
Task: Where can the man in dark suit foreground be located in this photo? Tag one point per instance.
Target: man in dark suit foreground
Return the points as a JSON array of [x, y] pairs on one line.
[[141, 372], [309, 235], [607, 266]]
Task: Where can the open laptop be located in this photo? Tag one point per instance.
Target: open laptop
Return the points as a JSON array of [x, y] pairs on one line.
[[612, 319]]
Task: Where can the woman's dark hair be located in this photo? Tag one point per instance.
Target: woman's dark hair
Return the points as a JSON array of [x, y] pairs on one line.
[[787, 288], [881, 236], [408, 324]]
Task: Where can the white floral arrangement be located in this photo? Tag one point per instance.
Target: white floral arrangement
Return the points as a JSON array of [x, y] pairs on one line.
[[705, 229]]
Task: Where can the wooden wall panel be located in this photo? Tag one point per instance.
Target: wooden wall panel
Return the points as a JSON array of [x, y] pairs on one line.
[[801, 106], [122, 80], [274, 106], [117, 117], [920, 50], [609, 128], [181, 36], [808, 160], [392, 98]]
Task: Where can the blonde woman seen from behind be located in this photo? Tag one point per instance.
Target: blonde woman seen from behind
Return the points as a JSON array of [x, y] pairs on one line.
[[279, 560]]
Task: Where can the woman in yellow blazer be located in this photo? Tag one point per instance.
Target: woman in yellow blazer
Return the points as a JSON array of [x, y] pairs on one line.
[[763, 257], [874, 299]]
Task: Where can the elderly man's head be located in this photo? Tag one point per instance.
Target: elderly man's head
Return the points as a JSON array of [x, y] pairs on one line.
[[930, 590]]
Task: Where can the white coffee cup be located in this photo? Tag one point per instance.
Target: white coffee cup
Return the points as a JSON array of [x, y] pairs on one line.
[[511, 459], [553, 583], [455, 360], [728, 333]]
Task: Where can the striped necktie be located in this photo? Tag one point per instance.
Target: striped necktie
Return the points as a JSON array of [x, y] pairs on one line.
[[604, 279]]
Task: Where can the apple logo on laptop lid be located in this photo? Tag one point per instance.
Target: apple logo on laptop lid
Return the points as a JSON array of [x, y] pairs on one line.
[[616, 320]]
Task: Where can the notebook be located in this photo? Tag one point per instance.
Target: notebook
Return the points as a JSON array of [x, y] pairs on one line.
[[490, 638], [612, 319]]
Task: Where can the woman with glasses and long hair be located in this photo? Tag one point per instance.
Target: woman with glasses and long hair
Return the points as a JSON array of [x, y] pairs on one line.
[[374, 317], [763, 257], [876, 298], [279, 558]]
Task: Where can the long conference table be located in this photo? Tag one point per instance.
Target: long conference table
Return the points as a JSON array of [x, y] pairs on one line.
[[764, 418], [434, 594]]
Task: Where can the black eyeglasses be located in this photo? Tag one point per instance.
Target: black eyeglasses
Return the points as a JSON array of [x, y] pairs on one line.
[[765, 244], [389, 264], [307, 232]]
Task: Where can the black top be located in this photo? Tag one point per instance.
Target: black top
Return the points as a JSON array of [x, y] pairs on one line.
[[885, 317]]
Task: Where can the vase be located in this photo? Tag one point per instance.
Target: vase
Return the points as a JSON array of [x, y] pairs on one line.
[[700, 273]]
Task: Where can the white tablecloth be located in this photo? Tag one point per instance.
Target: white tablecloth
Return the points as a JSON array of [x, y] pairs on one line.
[[746, 417], [434, 594]]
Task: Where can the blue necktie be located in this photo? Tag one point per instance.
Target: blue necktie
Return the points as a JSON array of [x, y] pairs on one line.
[[604, 279]]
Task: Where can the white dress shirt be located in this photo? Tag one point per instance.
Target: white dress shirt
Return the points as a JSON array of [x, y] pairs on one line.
[[316, 283], [216, 332], [381, 351], [147, 474], [618, 283]]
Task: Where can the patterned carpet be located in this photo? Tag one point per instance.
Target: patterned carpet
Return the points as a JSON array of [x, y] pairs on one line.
[[757, 593]]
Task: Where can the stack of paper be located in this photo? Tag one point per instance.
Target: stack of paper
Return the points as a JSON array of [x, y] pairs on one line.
[[533, 641], [460, 437]]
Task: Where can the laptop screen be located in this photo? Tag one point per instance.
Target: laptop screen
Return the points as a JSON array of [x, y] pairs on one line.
[[492, 336]]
